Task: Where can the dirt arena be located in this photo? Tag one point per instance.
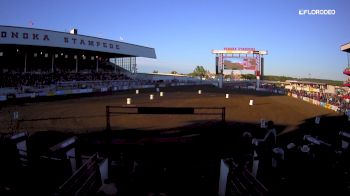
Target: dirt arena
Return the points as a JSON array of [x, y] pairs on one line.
[[87, 114]]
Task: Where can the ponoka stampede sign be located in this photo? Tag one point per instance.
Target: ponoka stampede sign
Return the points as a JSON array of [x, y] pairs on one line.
[[39, 37]]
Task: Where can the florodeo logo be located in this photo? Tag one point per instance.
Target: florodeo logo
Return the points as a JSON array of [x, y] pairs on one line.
[[316, 12]]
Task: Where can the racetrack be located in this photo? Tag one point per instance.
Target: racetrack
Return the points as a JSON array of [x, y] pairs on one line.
[[87, 114]]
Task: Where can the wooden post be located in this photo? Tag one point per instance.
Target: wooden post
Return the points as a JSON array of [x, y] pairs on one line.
[[223, 115], [108, 123], [25, 62], [52, 62]]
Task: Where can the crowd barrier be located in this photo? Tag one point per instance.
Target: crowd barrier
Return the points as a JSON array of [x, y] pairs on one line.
[[97, 88], [315, 102], [282, 92]]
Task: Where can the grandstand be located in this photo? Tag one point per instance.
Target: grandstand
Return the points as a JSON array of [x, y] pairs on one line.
[[38, 62]]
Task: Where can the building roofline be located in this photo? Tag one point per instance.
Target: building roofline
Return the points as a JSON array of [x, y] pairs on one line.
[[72, 34]]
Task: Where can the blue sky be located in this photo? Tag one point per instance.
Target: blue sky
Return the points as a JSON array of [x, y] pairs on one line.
[[184, 32]]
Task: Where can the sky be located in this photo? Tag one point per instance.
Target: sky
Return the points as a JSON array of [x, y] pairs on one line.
[[183, 32]]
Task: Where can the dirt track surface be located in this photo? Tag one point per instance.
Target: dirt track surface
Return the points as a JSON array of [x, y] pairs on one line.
[[81, 115]]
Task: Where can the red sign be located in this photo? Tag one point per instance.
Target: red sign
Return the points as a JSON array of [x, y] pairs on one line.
[[244, 49]]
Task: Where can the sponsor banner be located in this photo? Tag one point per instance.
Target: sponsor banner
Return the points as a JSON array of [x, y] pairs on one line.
[[67, 92], [51, 93], [161, 85], [148, 86], [306, 88], [295, 95], [42, 94], [306, 99], [316, 102], [335, 108], [266, 90], [125, 88], [61, 92], [11, 96], [75, 91], [3, 98], [25, 95], [104, 89], [87, 90], [315, 90], [281, 92], [322, 104]]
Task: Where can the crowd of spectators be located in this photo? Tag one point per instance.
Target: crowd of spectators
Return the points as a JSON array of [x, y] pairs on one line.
[[336, 99], [38, 80], [272, 86]]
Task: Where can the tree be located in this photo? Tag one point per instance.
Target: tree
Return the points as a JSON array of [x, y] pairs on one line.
[[248, 76], [199, 71], [173, 72]]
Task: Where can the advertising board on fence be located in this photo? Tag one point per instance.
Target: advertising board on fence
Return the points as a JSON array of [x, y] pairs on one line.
[[61, 92], [25, 95], [104, 89], [335, 108], [51, 93], [3, 98], [87, 90], [306, 99], [316, 102]]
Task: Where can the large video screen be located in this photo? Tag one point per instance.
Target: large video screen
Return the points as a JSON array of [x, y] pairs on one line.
[[240, 63]]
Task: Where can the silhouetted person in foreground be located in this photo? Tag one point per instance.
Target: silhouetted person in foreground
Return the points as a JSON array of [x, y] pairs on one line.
[[265, 146]]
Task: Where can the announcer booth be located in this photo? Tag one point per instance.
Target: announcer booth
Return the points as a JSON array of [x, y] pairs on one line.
[[25, 50]]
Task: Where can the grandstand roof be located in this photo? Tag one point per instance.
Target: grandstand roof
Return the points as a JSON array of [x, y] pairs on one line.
[[345, 47], [167, 74], [10, 35]]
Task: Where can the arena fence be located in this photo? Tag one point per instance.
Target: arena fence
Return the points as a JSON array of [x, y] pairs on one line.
[[86, 87], [235, 180], [85, 181], [118, 110]]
